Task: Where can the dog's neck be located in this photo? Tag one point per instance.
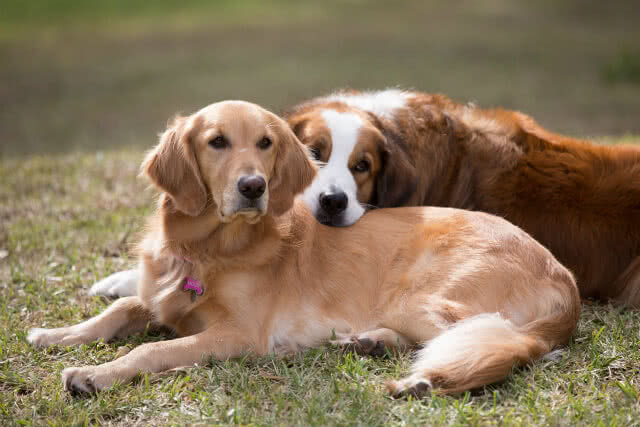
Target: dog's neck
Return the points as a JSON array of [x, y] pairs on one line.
[[205, 238], [464, 167]]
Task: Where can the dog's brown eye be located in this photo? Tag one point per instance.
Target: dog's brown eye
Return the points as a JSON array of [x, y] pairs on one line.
[[361, 166], [219, 142], [264, 143]]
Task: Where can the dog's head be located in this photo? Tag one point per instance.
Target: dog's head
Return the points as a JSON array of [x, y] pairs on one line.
[[363, 165], [233, 155]]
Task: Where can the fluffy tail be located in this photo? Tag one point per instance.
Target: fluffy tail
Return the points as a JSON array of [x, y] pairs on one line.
[[482, 350]]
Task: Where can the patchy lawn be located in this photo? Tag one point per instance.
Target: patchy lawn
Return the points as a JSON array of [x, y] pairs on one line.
[[68, 220]]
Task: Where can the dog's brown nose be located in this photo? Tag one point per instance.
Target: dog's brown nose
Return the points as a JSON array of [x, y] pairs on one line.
[[333, 203], [252, 186]]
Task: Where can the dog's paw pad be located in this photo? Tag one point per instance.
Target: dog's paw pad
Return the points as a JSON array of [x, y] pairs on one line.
[[362, 346], [368, 347], [378, 350], [403, 389], [79, 380], [554, 356]]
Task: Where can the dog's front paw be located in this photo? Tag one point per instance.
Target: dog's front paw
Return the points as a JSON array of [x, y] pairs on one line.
[[362, 346], [118, 285], [41, 337], [85, 380]]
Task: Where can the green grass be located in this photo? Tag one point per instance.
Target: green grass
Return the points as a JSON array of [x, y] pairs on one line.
[[89, 75], [86, 76], [69, 220]]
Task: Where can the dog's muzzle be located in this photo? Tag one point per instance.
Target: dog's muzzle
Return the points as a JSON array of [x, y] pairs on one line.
[[331, 208], [249, 202]]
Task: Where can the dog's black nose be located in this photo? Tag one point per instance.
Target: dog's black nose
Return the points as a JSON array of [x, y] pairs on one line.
[[252, 186], [333, 203]]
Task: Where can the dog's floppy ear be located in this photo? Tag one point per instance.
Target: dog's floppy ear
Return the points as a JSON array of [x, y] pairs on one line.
[[397, 180], [298, 125], [172, 166], [293, 172]]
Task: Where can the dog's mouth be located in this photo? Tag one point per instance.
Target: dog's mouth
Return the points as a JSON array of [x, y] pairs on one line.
[[331, 220], [342, 219], [250, 214]]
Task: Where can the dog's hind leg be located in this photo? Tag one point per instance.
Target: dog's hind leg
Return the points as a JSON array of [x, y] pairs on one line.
[[117, 285], [124, 317], [371, 343], [628, 285], [479, 351]]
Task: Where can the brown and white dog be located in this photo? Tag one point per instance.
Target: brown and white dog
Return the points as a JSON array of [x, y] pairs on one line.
[[395, 148], [480, 292]]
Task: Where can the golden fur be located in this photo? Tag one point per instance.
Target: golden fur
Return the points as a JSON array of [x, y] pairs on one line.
[[479, 291], [580, 200]]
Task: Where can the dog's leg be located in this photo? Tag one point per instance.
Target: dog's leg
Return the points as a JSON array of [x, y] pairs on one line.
[[371, 343], [124, 317], [219, 342], [627, 286], [117, 285], [475, 352]]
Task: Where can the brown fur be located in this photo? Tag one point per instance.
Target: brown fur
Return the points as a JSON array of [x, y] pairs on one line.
[[275, 280], [580, 200]]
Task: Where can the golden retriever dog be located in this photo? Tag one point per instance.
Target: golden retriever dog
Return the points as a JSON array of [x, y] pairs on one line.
[[234, 265]]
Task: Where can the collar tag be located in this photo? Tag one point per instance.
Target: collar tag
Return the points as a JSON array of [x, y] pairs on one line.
[[194, 286]]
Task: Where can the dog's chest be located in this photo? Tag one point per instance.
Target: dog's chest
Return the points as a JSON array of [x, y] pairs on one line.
[[237, 291]]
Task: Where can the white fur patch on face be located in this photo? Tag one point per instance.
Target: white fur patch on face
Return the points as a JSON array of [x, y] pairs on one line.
[[381, 103], [336, 175]]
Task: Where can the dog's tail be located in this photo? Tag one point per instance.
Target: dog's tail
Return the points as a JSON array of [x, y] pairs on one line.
[[483, 349]]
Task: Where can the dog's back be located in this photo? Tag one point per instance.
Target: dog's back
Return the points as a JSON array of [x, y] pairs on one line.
[[580, 200]]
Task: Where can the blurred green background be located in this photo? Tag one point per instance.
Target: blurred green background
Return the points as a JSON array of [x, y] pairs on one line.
[[92, 75]]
